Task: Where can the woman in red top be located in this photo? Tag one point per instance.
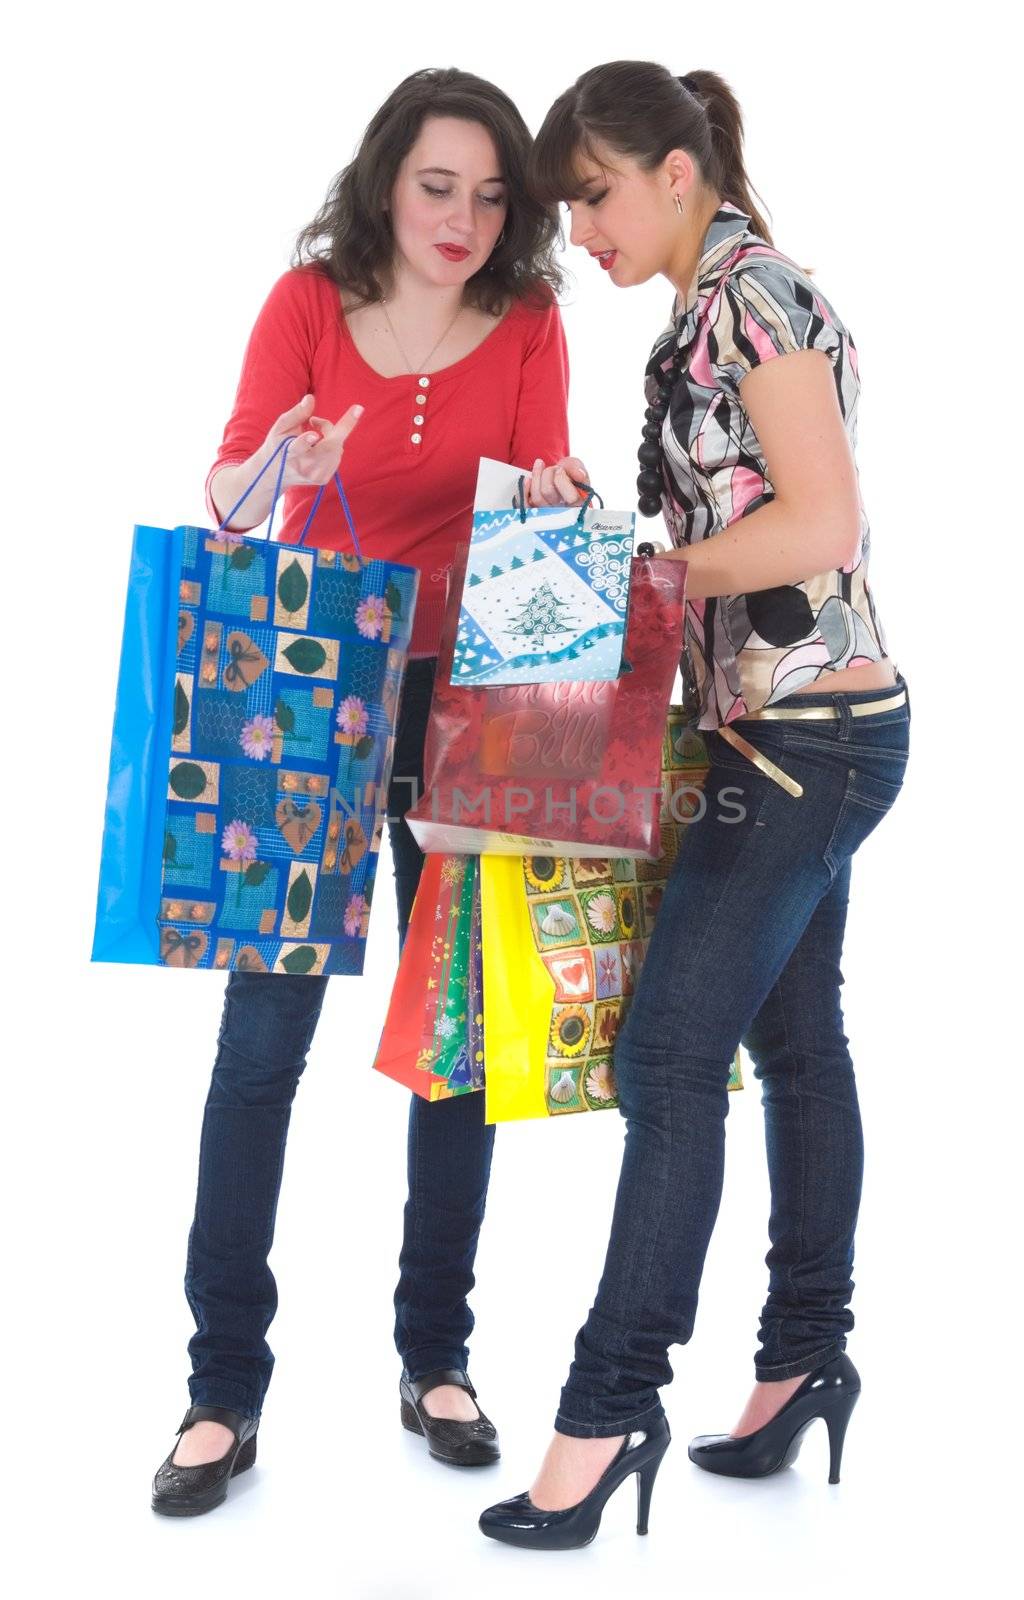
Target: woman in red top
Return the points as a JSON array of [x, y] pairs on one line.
[[420, 314]]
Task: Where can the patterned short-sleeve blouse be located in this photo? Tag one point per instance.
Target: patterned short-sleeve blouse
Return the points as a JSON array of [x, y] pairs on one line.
[[746, 304]]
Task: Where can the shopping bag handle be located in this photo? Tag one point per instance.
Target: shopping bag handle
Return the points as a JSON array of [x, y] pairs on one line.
[[282, 451], [519, 498]]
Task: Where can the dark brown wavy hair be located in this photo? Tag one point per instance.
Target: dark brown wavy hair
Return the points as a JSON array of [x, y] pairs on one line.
[[351, 237], [638, 109]]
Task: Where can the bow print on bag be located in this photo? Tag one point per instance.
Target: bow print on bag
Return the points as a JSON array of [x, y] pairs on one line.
[[355, 846], [246, 664], [182, 950], [297, 822]]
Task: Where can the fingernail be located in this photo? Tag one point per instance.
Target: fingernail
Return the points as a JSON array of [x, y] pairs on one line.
[[358, 410]]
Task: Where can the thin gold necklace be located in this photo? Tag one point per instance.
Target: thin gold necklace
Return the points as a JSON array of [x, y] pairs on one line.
[[421, 365]]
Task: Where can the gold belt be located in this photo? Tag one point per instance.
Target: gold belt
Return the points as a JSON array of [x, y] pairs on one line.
[[799, 714]]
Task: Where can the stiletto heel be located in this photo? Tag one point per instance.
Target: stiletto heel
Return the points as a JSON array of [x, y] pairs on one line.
[[838, 1420], [830, 1392], [644, 1489], [520, 1522]]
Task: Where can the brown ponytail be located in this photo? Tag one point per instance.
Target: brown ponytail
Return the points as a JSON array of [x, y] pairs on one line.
[[639, 109], [727, 173]]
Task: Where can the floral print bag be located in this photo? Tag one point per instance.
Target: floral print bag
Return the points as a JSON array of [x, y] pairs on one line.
[[252, 748]]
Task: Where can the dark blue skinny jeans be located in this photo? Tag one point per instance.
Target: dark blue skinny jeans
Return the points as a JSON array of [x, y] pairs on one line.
[[265, 1035], [747, 949]]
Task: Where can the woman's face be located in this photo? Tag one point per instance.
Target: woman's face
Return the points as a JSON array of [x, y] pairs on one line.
[[627, 218], [449, 201]]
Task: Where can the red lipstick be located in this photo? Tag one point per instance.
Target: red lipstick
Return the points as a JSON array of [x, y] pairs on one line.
[[453, 252]]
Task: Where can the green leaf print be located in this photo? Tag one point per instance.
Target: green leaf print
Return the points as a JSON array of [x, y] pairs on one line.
[[306, 655], [393, 599], [242, 558], [170, 848], [187, 780], [284, 716], [301, 960], [292, 587], [300, 898], [181, 709], [364, 746], [255, 873]]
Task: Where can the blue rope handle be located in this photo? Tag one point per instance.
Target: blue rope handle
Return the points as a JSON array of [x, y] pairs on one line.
[[519, 498], [344, 506], [282, 451], [283, 446], [277, 486], [591, 494]]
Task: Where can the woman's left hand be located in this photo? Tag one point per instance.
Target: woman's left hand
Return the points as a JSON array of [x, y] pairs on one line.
[[553, 486]]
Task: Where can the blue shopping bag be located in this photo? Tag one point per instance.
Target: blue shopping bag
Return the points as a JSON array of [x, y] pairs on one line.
[[252, 747]]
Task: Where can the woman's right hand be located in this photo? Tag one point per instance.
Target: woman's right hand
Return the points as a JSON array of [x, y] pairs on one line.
[[318, 446], [554, 486]]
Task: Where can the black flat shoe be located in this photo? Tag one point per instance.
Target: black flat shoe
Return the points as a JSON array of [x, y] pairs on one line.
[[830, 1392], [189, 1491], [459, 1444], [521, 1523]]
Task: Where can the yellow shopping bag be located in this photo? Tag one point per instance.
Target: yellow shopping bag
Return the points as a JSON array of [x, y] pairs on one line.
[[518, 997], [564, 939]]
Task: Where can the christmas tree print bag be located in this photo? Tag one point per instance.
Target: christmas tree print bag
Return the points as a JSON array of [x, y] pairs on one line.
[[545, 594]]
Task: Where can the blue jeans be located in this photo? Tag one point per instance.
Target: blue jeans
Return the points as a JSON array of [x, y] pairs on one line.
[[746, 948], [266, 1031]]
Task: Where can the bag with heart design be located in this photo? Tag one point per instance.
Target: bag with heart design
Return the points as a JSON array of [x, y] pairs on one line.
[[252, 747]]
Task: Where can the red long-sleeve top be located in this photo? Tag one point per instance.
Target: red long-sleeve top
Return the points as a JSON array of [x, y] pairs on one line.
[[410, 467]]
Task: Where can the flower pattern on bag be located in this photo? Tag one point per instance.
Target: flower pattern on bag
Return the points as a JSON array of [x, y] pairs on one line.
[[283, 724]]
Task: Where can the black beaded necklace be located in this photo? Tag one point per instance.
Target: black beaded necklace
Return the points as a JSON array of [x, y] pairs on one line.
[[651, 455]]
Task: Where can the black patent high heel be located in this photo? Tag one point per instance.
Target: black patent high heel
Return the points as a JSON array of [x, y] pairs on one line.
[[830, 1392], [520, 1522]]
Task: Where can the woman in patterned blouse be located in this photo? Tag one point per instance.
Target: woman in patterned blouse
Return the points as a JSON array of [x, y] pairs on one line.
[[751, 460]]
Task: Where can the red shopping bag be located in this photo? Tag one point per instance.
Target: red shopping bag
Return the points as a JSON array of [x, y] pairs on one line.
[[427, 1043], [570, 767]]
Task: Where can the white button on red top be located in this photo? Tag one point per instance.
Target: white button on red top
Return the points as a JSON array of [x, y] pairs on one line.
[[424, 383], [417, 438], [421, 399], [418, 421]]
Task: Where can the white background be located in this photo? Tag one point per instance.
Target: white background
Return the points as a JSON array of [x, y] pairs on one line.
[[162, 160]]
